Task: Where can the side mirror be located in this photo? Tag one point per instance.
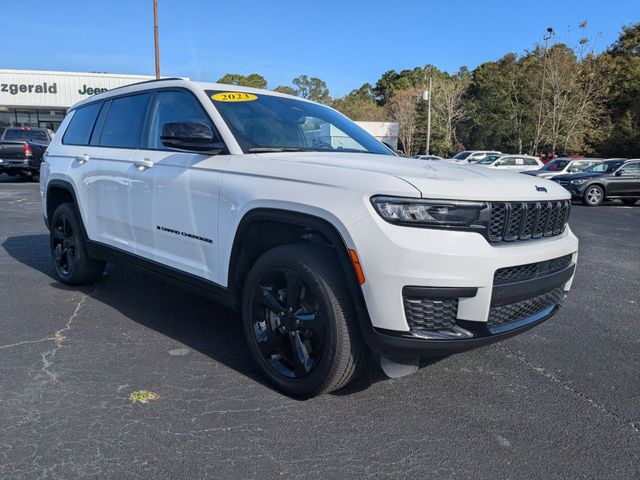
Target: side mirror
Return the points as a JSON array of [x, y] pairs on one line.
[[619, 173], [190, 136]]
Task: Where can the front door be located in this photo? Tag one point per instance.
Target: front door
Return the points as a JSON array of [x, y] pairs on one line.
[[174, 194], [626, 181]]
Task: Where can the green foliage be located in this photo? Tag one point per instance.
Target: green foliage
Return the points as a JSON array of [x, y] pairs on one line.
[[312, 88], [360, 104], [285, 89], [254, 80]]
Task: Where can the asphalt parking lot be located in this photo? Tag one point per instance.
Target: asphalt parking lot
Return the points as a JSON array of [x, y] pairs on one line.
[[561, 401]]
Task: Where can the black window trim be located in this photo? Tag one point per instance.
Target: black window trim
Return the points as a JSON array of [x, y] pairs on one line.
[[145, 140], [145, 126]]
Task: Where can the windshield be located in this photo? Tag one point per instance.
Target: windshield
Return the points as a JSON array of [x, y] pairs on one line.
[[461, 155], [604, 167], [26, 135], [555, 165], [267, 123]]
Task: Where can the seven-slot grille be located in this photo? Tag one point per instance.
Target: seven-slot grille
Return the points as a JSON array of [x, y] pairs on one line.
[[511, 221], [530, 270], [513, 312], [430, 313]]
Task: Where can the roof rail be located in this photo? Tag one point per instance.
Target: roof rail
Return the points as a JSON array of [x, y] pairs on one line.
[[147, 81]]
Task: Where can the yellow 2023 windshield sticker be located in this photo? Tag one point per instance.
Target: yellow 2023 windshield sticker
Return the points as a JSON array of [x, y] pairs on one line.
[[234, 97]]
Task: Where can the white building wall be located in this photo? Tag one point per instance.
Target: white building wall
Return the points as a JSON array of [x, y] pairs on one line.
[[26, 88]]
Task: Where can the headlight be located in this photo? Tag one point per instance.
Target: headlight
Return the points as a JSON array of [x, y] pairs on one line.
[[577, 182], [435, 213]]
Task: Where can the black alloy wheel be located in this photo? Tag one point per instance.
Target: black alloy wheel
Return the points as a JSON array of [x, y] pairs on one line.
[[287, 323], [299, 320], [64, 245], [69, 254]]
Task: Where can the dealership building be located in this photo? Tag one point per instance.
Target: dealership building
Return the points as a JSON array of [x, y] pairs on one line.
[[41, 99]]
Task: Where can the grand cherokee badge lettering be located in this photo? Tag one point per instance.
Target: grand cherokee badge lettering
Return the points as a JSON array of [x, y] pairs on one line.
[[541, 189], [184, 234]]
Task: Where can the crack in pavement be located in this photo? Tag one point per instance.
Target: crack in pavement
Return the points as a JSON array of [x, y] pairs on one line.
[[635, 426], [58, 338]]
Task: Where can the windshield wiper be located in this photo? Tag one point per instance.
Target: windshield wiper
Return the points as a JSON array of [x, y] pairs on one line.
[[276, 149]]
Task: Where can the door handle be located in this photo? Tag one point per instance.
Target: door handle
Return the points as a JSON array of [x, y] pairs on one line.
[[143, 164], [82, 158]]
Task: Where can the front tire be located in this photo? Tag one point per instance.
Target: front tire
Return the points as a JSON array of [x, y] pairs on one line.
[[593, 196], [69, 255], [629, 202], [299, 321]]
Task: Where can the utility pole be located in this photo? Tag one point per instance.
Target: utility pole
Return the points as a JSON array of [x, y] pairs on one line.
[[427, 96], [544, 72], [155, 37]]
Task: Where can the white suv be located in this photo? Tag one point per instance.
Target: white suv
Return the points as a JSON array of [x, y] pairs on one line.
[[473, 156], [331, 246]]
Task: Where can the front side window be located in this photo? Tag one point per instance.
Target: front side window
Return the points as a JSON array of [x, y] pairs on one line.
[[461, 155], [267, 123], [488, 160], [604, 167], [124, 122], [631, 169], [81, 125], [174, 107]]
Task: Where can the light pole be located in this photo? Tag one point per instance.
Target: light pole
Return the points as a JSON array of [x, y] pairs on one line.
[[426, 95], [156, 42], [544, 72]]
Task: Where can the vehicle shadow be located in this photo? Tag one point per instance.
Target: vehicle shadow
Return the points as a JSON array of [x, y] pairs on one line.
[[196, 322], [4, 178]]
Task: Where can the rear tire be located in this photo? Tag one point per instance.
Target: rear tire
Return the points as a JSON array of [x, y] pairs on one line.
[[299, 321], [629, 202], [69, 255], [593, 196]]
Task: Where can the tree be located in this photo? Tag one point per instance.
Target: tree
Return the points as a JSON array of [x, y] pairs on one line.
[[449, 107], [312, 89], [360, 104], [253, 80], [402, 107], [285, 89]]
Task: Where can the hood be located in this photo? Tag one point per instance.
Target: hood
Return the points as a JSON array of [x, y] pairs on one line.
[[435, 179], [576, 176]]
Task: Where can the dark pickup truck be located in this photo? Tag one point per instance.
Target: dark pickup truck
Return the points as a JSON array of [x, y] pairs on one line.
[[21, 150]]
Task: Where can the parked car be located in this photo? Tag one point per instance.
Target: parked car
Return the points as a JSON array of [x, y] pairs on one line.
[[512, 163], [21, 150], [610, 179], [333, 248], [561, 166], [473, 156], [428, 157]]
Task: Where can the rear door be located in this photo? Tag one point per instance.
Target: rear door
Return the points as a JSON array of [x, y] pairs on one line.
[[174, 194], [105, 167]]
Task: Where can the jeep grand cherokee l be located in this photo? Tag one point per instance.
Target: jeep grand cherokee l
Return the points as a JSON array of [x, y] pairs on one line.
[[331, 246]]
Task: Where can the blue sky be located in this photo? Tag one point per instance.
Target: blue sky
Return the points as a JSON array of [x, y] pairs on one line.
[[346, 43]]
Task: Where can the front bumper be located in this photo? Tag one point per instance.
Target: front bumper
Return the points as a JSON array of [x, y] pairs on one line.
[[576, 191], [463, 263]]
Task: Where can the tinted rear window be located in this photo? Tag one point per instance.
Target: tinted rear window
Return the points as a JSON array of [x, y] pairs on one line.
[[27, 135], [79, 130], [124, 123]]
